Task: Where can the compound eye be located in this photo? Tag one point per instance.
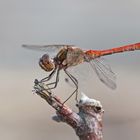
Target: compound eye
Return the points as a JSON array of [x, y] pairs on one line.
[[45, 57], [46, 63]]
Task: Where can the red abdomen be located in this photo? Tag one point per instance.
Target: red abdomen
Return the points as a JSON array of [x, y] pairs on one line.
[[97, 53]]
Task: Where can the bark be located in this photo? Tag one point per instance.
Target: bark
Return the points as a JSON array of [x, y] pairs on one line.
[[87, 123]]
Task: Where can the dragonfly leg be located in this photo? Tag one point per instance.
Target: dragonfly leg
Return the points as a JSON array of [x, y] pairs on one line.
[[39, 87], [41, 82], [75, 81], [56, 81], [49, 77]]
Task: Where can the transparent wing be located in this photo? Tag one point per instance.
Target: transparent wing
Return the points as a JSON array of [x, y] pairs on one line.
[[46, 48], [104, 72]]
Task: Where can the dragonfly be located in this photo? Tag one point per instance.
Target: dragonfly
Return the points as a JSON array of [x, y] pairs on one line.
[[70, 55]]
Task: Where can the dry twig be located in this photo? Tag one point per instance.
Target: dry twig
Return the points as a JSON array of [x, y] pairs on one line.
[[87, 123]]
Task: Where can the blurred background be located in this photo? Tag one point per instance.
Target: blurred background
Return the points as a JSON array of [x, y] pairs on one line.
[[92, 24]]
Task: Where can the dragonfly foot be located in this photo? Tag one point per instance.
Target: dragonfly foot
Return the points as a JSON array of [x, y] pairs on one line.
[[40, 87]]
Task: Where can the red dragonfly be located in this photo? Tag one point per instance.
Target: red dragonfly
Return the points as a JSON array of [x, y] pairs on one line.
[[70, 55]]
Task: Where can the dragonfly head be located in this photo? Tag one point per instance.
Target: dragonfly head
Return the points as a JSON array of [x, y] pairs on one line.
[[46, 63]]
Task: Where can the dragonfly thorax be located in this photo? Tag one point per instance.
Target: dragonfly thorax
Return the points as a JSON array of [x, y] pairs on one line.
[[46, 63]]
